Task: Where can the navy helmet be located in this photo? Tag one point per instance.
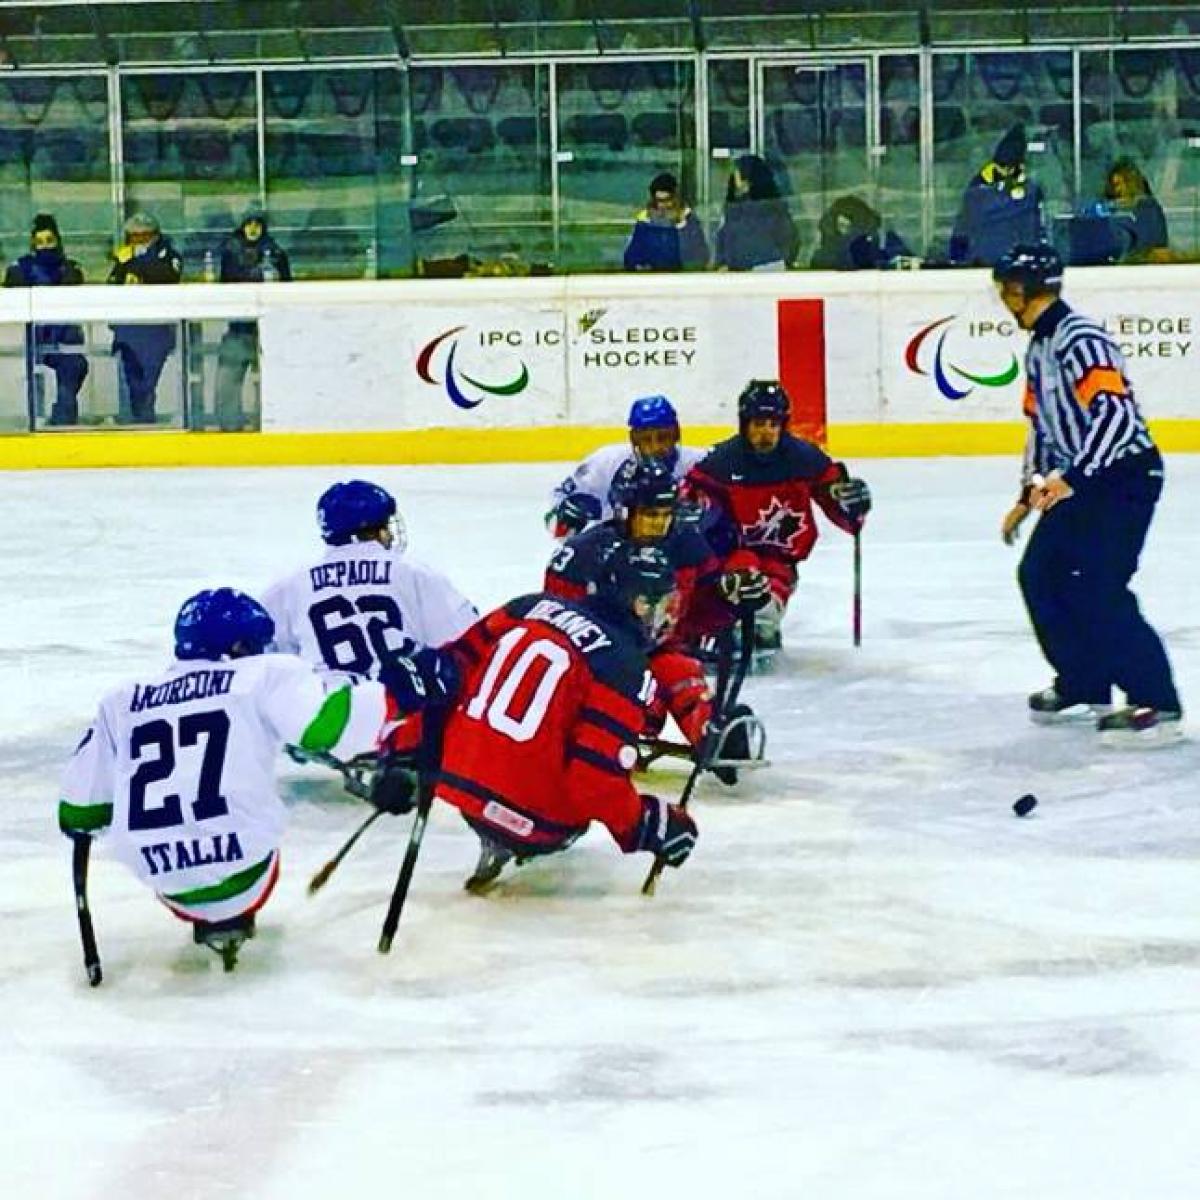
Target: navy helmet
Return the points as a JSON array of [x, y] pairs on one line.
[[352, 507], [639, 580], [653, 412], [1036, 267], [643, 483], [222, 623], [763, 398]]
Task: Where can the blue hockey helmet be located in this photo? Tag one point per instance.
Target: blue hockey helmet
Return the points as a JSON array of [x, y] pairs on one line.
[[353, 507], [764, 398], [222, 623], [640, 580], [653, 412], [1036, 267]]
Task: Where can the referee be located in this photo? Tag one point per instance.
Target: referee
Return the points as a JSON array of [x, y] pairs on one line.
[[1094, 474]]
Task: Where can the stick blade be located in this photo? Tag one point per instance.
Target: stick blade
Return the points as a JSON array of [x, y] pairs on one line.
[[95, 974]]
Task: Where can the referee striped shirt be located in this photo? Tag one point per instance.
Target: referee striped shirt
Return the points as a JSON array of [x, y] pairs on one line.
[[1082, 415]]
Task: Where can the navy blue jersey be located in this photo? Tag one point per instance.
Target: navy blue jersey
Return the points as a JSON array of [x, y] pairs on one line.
[[767, 500], [578, 562]]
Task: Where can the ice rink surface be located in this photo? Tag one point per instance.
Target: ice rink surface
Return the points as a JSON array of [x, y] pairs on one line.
[[870, 982]]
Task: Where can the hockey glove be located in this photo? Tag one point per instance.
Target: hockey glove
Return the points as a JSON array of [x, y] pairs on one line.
[[745, 588], [427, 678], [575, 512], [853, 497], [394, 789], [666, 830]]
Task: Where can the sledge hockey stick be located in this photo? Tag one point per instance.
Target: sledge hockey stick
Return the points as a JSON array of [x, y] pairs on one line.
[[856, 616], [321, 878], [727, 694], [355, 773], [400, 891], [430, 753], [80, 851]]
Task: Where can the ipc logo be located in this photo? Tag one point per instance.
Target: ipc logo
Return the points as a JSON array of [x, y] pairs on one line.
[[954, 382], [452, 374]]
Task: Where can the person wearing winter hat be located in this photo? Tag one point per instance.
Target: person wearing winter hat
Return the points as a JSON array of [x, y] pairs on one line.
[[666, 233], [145, 256], [1000, 207], [46, 265], [250, 255]]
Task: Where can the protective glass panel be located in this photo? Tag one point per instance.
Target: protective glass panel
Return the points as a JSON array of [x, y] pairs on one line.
[[54, 158], [191, 156], [729, 126], [900, 201], [95, 374], [483, 196], [223, 376], [814, 122], [1011, 109], [337, 188], [1141, 116], [619, 125]]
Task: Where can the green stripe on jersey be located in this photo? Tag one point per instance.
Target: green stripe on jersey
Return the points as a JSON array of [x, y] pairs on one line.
[[83, 818], [230, 886], [330, 723]]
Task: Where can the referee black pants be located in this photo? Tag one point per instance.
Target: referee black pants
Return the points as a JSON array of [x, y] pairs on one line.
[[1075, 576]]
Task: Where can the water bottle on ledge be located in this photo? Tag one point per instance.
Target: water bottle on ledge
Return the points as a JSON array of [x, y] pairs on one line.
[[210, 267], [270, 272], [371, 268]]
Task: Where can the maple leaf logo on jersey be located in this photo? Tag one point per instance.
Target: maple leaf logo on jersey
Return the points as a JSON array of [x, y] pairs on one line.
[[777, 526]]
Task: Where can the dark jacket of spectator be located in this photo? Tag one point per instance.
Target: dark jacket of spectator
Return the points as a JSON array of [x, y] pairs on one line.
[[251, 255], [1000, 207], [666, 233], [853, 238], [46, 265], [1139, 217], [757, 229]]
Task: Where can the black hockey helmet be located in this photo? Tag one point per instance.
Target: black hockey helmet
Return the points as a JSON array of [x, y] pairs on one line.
[[1036, 267], [763, 398], [639, 579], [644, 484]]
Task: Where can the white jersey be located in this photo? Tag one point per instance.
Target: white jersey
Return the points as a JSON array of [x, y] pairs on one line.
[[594, 476], [361, 603], [179, 769]]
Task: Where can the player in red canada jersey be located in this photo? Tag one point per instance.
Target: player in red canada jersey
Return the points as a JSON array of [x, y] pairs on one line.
[[544, 734], [764, 480]]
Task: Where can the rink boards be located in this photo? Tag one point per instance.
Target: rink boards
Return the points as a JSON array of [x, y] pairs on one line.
[[494, 370]]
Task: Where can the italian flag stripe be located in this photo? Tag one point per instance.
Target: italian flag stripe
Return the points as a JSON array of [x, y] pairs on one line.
[[230, 886], [83, 818]]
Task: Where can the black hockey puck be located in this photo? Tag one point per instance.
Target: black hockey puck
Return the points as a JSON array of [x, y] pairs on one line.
[[1025, 805]]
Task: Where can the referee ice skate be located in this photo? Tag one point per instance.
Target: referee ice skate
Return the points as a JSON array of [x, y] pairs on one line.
[[1092, 471]]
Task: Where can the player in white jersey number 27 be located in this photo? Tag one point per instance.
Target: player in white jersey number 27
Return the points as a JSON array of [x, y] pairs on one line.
[[178, 769]]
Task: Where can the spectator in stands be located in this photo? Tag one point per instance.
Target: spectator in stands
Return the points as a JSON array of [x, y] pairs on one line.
[[666, 234], [1137, 214], [1000, 207], [757, 232], [853, 238], [46, 265], [250, 255], [145, 256]]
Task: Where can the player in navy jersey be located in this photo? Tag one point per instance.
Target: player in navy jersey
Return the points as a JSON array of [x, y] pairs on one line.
[[1092, 472], [544, 734], [764, 481], [647, 508]]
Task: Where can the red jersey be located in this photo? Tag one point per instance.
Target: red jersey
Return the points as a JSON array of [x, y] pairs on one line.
[[770, 500], [545, 732]]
